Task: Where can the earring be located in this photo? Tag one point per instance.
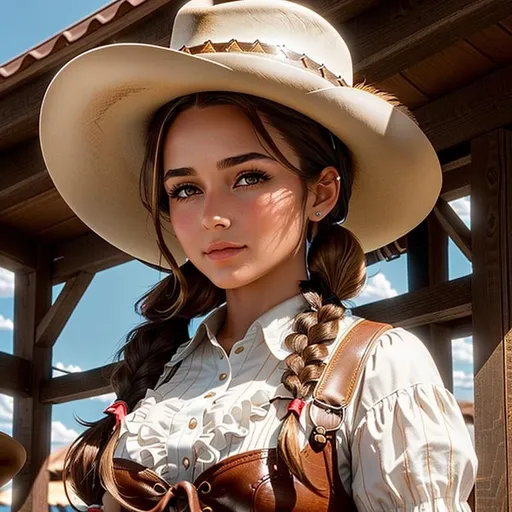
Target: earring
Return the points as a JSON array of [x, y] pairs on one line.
[[318, 214]]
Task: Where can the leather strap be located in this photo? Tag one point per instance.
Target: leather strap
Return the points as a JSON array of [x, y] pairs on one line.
[[335, 389]]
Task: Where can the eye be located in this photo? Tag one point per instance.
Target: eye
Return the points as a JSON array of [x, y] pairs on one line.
[[252, 178], [182, 192]]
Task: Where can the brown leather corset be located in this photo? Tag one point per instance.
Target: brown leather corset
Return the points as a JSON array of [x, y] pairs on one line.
[[259, 480], [255, 481]]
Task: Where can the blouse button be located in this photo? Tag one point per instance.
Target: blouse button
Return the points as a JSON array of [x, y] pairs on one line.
[[223, 376], [186, 462], [211, 394], [192, 424], [239, 350]]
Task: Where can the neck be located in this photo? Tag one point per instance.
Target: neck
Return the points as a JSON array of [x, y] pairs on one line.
[[244, 305]]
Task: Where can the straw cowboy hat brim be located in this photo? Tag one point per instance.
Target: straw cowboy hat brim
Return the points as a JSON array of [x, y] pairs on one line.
[[96, 112], [12, 458]]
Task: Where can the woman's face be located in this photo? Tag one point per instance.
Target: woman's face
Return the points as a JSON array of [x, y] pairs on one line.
[[236, 211]]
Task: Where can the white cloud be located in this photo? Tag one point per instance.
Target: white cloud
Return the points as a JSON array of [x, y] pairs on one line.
[[462, 208], [6, 324], [462, 380], [62, 434], [107, 398], [62, 369], [377, 288], [6, 408], [6, 283], [462, 350]]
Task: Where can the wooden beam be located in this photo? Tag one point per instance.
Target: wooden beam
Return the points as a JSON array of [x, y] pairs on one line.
[[23, 174], [484, 105], [454, 226], [436, 304], [76, 386], [462, 328], [32, 420], [58, 315], [491, 216], [13, 375], [339, 11], [456, 183], [21, 95], [18, 252], [396, 34], [88, 253]]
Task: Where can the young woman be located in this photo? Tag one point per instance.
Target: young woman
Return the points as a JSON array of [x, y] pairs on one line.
[[243, 160]]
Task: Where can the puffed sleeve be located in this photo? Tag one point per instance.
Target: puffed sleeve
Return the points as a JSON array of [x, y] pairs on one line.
[[410, 448]]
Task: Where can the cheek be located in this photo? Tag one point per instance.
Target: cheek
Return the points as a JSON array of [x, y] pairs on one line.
[[277, 216], [184, 222]]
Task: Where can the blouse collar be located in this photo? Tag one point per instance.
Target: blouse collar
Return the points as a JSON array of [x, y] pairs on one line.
[[275, 324]]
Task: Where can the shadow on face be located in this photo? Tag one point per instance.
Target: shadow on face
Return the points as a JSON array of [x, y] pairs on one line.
[[225, 187]]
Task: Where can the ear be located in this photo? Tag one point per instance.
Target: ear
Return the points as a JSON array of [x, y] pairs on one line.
[[323, 195]]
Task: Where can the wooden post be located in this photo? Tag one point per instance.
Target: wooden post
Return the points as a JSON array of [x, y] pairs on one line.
[[491, 220], [32, 419], [427, 265]]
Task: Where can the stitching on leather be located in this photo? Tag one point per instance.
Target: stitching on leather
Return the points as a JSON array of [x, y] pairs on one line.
[[337, 353], [362, 360], [364, 324]]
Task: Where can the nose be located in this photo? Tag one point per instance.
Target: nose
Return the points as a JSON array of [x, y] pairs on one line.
[[216, 222]]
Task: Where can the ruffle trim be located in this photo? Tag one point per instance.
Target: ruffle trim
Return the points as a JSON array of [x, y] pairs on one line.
[[145, 433]]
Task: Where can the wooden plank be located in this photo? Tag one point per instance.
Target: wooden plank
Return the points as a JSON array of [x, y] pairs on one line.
[[454, 226], [18, 253], [32, 419], [495, 42], [395, 35], [88, 253], [448, 69], [339, 11], [23, 174], [13, 375], [38, 213], [491, 220], [79, 385], [21, 94], [456, 183], [58, 315], [427, 264], [435, 304], [462, 328], [473, 110]]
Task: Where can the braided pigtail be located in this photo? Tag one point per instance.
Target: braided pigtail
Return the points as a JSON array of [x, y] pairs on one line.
[[147, 349], [336, 264]]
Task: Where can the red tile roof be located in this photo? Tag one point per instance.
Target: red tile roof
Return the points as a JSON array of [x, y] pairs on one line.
[[69, 36]]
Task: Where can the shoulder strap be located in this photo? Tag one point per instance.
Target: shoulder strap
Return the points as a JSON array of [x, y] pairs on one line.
[[335, 389]]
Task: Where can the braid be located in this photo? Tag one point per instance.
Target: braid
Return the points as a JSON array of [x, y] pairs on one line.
[[148, 347], [336, 264]]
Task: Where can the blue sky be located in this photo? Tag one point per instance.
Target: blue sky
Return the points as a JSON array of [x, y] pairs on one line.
[[106, 313]]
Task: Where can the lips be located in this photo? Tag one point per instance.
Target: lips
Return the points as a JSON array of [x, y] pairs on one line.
[[220, 246], [223, 250]]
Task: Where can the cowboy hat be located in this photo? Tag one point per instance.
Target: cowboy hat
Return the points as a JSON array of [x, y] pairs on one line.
[[12, 458], [96, 111]]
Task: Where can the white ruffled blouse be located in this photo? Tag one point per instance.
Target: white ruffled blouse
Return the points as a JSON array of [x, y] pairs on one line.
[[403, 445]]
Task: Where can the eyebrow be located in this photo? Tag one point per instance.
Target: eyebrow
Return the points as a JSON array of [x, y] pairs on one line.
[[231, 161]]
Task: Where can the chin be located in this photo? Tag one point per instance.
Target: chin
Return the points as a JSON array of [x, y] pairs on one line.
[[231, 278]]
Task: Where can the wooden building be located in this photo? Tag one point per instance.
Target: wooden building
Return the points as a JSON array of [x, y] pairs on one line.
[[450, 61]]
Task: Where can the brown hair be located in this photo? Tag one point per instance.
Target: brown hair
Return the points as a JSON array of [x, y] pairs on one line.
[[336, 263]]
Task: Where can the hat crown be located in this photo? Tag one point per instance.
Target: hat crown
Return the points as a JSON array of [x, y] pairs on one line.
[[273, 22]]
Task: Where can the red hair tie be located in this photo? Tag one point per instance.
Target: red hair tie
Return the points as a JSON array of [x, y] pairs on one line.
[[296, 406], [95, 508], [119, 409]]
